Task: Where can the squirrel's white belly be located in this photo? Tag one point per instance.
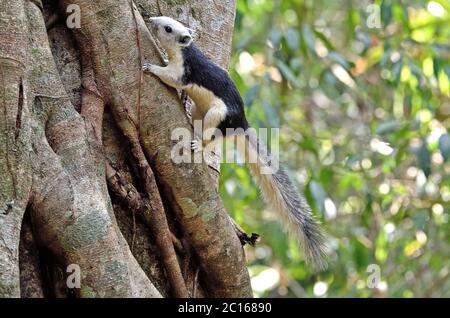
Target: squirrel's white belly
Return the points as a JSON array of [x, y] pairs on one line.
[[204, 99]]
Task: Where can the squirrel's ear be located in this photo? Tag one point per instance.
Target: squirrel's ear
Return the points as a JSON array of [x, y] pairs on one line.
[[191, 32]]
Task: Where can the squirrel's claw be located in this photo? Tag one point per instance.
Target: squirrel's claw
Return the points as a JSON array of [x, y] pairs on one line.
[[147, 67], [195, 145]]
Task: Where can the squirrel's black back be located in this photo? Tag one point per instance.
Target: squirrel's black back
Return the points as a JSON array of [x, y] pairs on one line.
[[199, 70]]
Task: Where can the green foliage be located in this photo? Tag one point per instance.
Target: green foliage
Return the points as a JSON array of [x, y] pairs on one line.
[[361, 94]]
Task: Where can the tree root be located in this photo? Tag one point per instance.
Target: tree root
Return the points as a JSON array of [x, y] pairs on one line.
[[157, 216], [129, 195], [145, 210]]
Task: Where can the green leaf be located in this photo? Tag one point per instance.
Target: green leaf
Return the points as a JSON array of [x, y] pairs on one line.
[[416, 71], [386, 12], [275, 37], [326, 176], [360, 254], [437, 62], [447, 70], [424, 158], [309, 38], [381, 251], [400, 12], [287, 73], [352, 159], [319, 195], [387, 127], [292, 38], [271, 113], [251, 95], [325, 40], [396, 71], [444, 146], [340, 59], [309, 144]]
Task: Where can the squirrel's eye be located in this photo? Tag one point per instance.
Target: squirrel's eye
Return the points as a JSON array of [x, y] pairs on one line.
[[168, 29]]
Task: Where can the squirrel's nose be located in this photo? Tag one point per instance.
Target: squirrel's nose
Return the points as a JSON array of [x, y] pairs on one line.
[[185, 39]]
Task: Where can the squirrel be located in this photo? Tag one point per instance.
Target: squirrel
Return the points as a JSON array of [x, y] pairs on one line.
[[219, 105]]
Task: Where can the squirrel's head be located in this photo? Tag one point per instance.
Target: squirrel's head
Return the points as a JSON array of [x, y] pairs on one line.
[[170, 33]]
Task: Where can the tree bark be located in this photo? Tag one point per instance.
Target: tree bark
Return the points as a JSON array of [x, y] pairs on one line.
[[79, 117]]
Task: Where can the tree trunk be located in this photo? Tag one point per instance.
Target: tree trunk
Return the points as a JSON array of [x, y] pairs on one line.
[[86, 175]]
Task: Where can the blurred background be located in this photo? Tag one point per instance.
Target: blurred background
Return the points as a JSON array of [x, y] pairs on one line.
[[360, 90]]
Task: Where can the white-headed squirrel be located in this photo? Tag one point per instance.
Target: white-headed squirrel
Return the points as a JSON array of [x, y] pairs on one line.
[[219, 105]]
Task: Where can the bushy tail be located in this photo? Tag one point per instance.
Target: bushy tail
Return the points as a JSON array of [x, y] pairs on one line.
[[281, 193]]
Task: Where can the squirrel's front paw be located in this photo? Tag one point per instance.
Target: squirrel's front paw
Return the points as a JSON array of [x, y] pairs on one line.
[[147, 67]]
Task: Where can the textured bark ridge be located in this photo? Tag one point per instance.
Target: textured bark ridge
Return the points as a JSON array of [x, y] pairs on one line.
[[85, 157]]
